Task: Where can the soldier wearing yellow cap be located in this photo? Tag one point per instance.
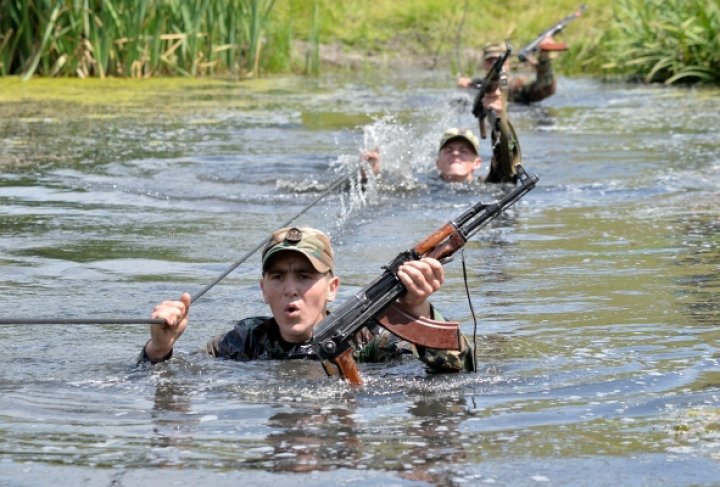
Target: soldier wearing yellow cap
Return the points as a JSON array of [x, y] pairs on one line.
[[521, 89], [298, 281]]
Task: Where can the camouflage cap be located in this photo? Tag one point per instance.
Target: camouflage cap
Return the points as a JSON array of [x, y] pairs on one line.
[[310, 242], [465, 134], [491, 51]]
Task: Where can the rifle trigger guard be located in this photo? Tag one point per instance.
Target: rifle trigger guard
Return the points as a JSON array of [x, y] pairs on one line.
[[329, 347], [446, 260]]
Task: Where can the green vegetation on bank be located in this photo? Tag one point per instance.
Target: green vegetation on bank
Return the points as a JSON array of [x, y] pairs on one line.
[[137, 38], [650, 40], [659, 41]]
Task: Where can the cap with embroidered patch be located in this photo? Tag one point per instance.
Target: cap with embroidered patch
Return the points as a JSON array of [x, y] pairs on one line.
[[312, 243]]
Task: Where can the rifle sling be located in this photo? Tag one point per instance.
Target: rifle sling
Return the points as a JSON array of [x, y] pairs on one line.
[[426, 332]]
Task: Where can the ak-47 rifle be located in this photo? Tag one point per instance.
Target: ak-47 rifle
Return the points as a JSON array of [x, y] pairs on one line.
[[332, 336], [532, 47], [488, 84]]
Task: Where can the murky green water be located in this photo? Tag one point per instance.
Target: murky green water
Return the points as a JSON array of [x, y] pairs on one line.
[[597, 296]]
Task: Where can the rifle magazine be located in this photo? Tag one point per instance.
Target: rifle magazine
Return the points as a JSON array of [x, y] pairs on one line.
[[344, 366]]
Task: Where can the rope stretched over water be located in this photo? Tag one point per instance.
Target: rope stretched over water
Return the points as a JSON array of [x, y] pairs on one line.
[[234, 266], [148, 321], [81, 321]]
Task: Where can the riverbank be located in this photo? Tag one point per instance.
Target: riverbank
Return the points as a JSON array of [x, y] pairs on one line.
[[628, 39], [253, 38], [444, 35]]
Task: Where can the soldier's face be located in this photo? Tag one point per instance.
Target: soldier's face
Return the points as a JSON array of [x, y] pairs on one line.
[[297, 294], [488, 63], [457, 161]]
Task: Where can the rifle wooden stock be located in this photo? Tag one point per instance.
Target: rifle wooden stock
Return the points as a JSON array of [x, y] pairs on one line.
[[525, 53], [421, 331], [375, 303]]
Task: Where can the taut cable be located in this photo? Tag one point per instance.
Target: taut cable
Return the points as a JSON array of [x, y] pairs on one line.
[[148, 321]]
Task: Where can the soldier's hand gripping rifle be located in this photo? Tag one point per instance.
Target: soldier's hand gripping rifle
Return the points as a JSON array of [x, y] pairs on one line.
[[332, 336], [527, 51], [489, 84]]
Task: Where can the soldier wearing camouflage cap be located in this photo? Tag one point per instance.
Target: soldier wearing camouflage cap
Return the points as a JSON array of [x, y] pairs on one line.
[[521, 90], [298, 281], [458, 157], [312, 243]]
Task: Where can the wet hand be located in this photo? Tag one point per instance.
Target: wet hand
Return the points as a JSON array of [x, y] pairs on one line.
[[550, 45], [464, 82], [421, 278], [493, 100], [163, 337], [372, 157]]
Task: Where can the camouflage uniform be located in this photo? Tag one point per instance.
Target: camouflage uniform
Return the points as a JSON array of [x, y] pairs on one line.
[[505, 147], [520, 90], [506, 154], [541, 87], [258, 338]]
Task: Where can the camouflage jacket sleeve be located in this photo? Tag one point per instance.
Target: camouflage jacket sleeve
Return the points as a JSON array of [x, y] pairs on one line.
[[142, 358], [541, 87], [506, 154], [383, 346]]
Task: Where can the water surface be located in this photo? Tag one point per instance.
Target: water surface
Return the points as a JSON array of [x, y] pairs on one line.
[[596, 296]]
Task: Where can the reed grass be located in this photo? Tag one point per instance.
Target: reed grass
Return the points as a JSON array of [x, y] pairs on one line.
[[667, 41], [133, 38], [142, 38], [312, 57]]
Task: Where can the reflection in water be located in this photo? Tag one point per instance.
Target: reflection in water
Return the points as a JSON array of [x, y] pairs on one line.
[[597, 295], [313, 438], [700, 290], [169, 415], [439, 444]]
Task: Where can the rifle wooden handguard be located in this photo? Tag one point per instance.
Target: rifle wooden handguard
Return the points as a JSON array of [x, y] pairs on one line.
[[444, 335]]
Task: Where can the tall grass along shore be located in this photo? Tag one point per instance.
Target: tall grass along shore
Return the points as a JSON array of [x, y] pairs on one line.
[[669, 41], [666, 41], [138, 38]]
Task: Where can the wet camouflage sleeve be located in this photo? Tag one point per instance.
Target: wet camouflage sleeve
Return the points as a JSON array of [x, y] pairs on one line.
[[502, 169], [143, 358], [258, 338], [383, 346], [543, 85]]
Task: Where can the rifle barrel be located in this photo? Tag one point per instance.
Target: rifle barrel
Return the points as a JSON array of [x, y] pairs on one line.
[[559, 26]]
